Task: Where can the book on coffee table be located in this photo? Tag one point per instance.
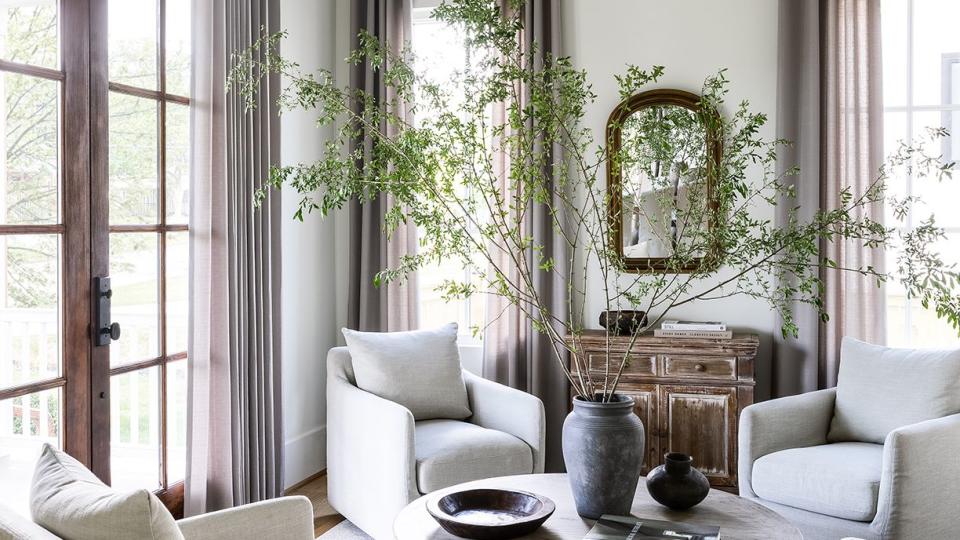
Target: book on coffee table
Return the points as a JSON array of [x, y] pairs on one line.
[[633, 528]]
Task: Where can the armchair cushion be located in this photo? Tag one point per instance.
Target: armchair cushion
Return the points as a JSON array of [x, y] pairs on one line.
[[840, 480], [13, 526], [450, 452], [880, 389], [419, 370]]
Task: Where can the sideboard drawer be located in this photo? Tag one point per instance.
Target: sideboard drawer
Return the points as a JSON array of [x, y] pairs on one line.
[[637, 364], [700, 367]]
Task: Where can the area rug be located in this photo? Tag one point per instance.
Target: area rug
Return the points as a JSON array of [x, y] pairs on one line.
[[344, 531]]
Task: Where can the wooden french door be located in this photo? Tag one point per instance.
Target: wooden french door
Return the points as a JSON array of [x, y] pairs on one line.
[[94, 176]]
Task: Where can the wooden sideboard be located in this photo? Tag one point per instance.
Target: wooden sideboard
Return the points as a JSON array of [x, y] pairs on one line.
[[689, 393]]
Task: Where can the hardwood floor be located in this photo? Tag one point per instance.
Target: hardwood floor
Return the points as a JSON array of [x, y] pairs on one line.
[[324, 516]]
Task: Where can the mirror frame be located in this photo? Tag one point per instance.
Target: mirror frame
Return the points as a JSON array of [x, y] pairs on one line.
[[664, 96]]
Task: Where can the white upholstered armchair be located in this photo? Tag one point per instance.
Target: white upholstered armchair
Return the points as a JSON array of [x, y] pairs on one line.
[[812, 457], [379, 459]]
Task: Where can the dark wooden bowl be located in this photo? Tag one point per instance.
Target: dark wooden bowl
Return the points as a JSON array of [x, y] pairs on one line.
[[490, 514]]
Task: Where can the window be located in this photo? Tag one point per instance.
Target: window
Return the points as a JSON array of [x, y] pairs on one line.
[[441, 50], [921, 88], [149, 73]]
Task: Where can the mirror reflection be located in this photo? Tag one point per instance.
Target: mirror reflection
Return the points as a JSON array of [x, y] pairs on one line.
[[662, 189]]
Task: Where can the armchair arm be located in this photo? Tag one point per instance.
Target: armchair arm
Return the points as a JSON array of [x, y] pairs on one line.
[[918, 484], [371, 459], [779, 424], [512, 411], [285, 517]]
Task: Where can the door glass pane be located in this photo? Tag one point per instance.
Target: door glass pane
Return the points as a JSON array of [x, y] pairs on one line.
[[178, 163], [133, 42], [178, 257], [178, 47], [176, 420], [28, 168], [26, 422], [134, 265], [133, 160], [28, 32], [29, 314], [135, 429]]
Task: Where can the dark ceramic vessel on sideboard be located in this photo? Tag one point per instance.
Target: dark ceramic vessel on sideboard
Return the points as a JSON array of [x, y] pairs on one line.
[[677, 484], [623, 322]]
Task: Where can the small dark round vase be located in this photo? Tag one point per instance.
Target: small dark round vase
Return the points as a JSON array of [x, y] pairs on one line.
[[676, 484], [603, 452]]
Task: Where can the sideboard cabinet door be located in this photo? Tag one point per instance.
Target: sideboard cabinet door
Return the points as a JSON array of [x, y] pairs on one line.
[[702, 421], [645, 406]]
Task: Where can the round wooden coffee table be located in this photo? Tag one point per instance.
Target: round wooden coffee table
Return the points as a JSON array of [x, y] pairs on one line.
[[738, 519]]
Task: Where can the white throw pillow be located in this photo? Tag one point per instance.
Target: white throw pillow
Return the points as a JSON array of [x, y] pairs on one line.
[[880, 389], [69, 501], [419, 370]]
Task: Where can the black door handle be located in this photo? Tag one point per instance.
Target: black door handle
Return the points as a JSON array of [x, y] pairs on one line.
[[104, 330]]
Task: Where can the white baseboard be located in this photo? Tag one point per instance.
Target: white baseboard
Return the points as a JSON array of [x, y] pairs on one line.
[[304, 455]]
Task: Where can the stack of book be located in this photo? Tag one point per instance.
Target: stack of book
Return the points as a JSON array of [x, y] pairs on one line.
[[693, 329]]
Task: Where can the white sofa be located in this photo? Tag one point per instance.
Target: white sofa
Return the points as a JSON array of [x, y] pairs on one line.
[[285, 517], [903, 486], [379, 459]]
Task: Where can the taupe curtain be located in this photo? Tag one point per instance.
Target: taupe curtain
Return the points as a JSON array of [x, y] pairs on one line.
[[392, 307], [514, 353], [852, 155], [234, 420], [830, 106]]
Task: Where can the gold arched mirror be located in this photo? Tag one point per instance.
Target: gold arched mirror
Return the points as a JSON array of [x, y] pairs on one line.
[[660, 179]]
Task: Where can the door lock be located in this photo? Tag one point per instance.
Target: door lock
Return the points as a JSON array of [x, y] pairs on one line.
[[104, 330]]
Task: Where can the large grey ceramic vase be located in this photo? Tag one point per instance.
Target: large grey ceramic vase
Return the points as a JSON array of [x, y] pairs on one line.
[[603, 452]]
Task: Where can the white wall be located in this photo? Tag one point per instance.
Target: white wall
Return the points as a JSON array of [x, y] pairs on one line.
[[692, 39], [310, 292]]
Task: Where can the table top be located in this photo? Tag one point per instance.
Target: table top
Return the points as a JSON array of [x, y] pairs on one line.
[[738, 518]]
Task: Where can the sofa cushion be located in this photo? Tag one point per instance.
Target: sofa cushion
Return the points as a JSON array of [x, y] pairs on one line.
[[450, 452], [419, 370], [70, 501], [840, 480], [880, 389], [13, 526]]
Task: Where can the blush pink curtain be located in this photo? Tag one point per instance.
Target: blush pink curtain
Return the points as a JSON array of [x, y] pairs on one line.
[[852, 148], [234, 428], [514, 353]]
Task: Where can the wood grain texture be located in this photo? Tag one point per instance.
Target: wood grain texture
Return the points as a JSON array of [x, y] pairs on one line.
[[689, 392], [738, 519], [699, 421], [645, 406]]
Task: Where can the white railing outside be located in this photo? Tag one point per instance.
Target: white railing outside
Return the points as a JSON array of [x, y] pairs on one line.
[[30, 351]]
